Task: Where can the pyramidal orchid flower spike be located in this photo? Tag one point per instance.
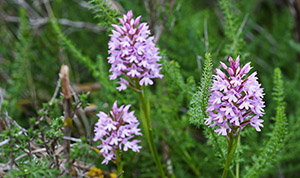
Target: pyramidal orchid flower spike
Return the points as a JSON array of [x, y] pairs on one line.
[[236, 99], [116, 132], [133, 54]]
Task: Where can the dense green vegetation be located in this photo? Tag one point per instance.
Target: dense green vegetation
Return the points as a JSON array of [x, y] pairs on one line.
[[38, 37]]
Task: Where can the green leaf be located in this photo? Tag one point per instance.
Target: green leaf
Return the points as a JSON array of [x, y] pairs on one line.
[[269, 155], [200, 98]]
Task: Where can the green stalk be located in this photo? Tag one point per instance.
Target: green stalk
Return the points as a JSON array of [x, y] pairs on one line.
[[219, 149], [237, 168], [231, 144], [146, 122], [119, 164]]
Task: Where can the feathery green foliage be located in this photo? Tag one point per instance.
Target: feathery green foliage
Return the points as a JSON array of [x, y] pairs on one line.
[[290, 161], [278, 89], [200, 98], [34, 170], [268, 155], [233, 28], [104, 13], [290, 158], [21, 67]]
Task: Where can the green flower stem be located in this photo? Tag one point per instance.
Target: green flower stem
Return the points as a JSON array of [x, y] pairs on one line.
[[219, 148], [231, 145], [237, 168], [146, 122], [119, 164]]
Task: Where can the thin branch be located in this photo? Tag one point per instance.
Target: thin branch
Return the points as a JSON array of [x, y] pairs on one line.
[[114, 5], [26, 154], [25, 5], [9, 121], [72, 139], [55, 92], [4, 142], [4, 167], [36, 23]]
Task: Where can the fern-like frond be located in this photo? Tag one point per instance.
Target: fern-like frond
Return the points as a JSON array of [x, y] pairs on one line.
[[278, 92], [23, 45], [269, 154], [230, 19], [233, 27], [21, 79], [104, 13], [200, 98]]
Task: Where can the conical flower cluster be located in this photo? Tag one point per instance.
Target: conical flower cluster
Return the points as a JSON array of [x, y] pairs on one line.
[[116, 131], [236, 99], [133, 53]]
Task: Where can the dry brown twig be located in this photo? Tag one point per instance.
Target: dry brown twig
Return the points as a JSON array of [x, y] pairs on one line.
[[67, 105]]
